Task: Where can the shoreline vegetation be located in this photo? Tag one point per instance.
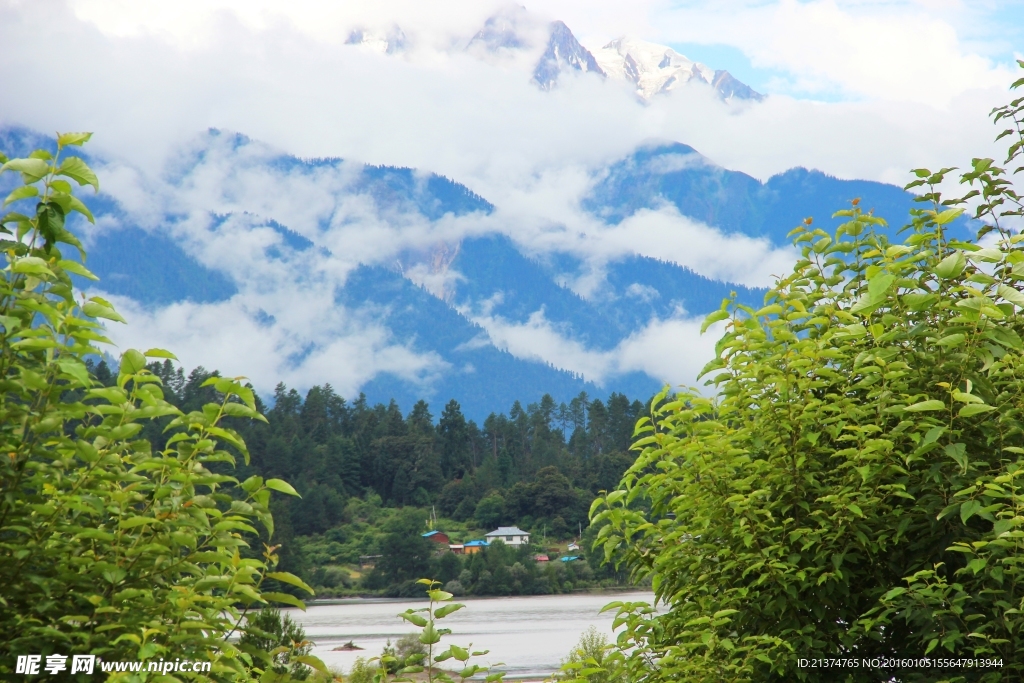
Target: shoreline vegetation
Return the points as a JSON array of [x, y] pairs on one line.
[[371, 480], [371, 597]]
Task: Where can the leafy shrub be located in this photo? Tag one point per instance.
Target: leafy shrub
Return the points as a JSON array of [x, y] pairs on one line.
[[280, 638], [111, 547], [362, 672], [590, 658], [857, 487]]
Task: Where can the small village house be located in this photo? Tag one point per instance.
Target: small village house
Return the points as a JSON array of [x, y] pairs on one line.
[[437, 537], [509, 535], [474, 547], [440, 540]]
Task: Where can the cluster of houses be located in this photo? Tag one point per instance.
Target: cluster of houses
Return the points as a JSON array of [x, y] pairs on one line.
[[509, 535]]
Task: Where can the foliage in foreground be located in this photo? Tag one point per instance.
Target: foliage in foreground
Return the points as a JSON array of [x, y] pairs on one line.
[[266, 630], [424, 661], [109, 546], [856, 487], [591, 660]]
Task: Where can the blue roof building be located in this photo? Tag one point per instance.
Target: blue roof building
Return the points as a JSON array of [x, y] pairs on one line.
[[474, 547]]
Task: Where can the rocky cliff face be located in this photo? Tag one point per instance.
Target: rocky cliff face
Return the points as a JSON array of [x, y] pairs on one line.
[[563, 53]]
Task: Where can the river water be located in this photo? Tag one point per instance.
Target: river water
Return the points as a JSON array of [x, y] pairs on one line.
[[530, 635]]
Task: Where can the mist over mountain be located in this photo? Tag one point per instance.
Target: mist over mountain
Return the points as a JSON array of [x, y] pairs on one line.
[[404, 284], [514, 31], [677, 175]]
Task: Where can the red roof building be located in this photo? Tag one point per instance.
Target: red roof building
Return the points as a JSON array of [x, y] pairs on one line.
[[437, 537]]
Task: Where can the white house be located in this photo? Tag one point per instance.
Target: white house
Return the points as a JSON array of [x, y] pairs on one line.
[[509, 535]]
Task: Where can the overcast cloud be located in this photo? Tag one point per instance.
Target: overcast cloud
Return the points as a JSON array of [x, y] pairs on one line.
[[908, 84]]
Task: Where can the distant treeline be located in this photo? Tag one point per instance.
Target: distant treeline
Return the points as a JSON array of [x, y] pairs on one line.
[[538, 466]]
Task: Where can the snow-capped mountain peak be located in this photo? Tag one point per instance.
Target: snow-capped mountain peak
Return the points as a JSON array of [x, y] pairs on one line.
[[385, 42], [656, 69], [563, 52], [510, 29]]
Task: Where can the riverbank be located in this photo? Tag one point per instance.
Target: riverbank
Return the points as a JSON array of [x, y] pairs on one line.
[[377, 595], [528, 636]]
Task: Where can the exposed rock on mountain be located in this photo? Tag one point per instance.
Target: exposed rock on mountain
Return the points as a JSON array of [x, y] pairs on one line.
[[563, 53]]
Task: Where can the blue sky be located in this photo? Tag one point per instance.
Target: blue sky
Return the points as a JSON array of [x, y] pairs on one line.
[[733, 60]]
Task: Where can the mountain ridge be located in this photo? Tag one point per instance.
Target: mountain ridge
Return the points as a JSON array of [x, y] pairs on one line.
[[485, 284]]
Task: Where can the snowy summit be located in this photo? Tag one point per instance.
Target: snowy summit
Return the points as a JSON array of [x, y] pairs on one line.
[[656, 69]]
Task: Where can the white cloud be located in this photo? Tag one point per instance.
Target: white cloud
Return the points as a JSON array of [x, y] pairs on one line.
[[303, 350], [891, 51], [148, 76], [672, 351]]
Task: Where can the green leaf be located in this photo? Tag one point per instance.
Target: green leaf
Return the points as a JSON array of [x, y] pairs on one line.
[[132, 362], [22, 192], [71, 203], [951, 266], [50, 219], [97, 310], [66, 139], [414, 619], [291, 579], [133, 522], [282, 486], [33, 169], [952, 340], [79, 171], [976, 565], [429, 635], [310, 660], [159, 353], [286, 599], [718, 315], [76, 268], [439, 596], [895, 592], [923, 406], [442, 612], [879, 285], [974, 409], [75, 368], [948, 216], [31, 265], [958, 452], [969, 509], [1012, 295]]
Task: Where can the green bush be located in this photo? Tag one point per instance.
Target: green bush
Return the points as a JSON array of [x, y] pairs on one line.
[[590, 658], [280, 638], [855, 489], [111, 547], [362, 672]]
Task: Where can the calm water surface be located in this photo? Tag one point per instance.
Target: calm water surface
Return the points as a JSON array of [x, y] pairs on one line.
[[531, 635]]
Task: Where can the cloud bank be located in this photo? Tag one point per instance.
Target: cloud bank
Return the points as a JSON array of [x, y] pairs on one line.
[[147, 77]]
